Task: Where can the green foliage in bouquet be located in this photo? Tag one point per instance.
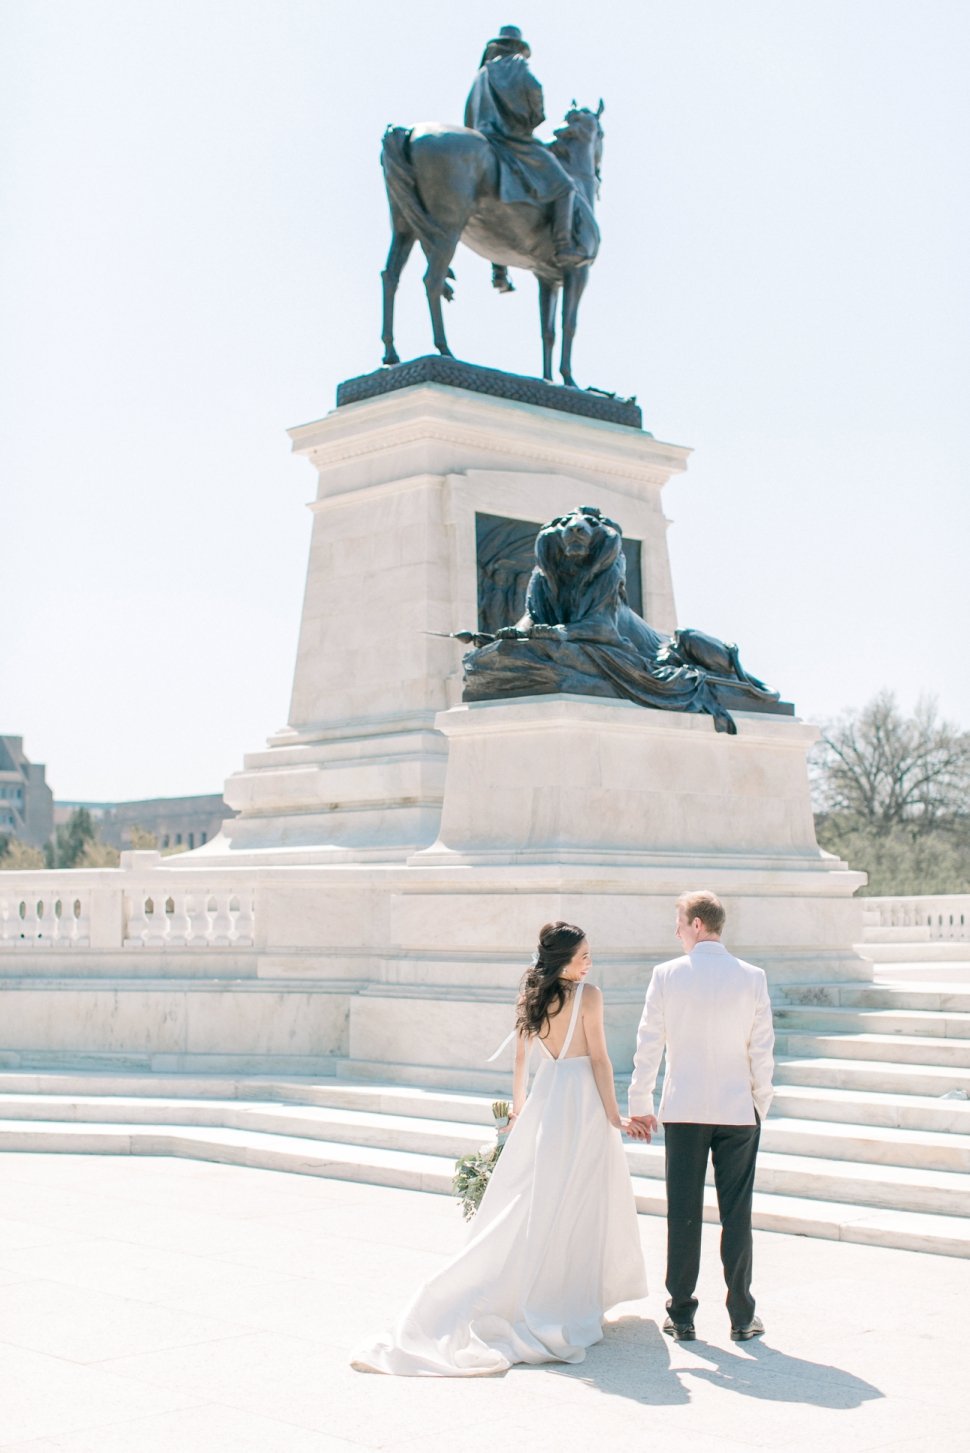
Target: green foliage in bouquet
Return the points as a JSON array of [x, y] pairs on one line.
[[473, 1172]]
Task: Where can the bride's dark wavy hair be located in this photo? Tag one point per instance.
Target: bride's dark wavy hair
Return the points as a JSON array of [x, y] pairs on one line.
[[543, 992]]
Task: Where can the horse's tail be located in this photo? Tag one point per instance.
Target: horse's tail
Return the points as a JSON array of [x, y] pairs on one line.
[[402, 190]]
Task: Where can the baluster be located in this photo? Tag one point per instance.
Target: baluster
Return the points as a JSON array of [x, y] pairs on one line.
[[48, 922], [196, 906], [222, 923], [179, 926], [31, 920], [157, 921], [245, 918], [138, 926], [64, 922], [82, 911]]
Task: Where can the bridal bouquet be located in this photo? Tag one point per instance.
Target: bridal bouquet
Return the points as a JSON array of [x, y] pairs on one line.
[[473, 1172]]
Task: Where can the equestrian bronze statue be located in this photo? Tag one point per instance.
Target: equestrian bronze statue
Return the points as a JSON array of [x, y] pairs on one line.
[[515, 200]]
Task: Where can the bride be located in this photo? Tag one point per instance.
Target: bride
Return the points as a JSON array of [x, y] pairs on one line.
[[555, 1241]]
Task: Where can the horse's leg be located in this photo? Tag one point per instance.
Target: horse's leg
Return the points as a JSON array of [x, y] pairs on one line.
[[548, 297], [436, 285], [451, 171], [575, 286], [401, 243]]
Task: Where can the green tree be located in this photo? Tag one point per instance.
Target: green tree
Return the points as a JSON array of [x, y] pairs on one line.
[[16, 855], [97, 854], [71, 838]]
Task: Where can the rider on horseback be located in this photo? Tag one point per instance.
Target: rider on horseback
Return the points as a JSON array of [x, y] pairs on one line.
[[505, 104]]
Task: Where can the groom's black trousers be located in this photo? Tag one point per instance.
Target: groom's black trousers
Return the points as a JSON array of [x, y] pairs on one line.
[[733, 1149]]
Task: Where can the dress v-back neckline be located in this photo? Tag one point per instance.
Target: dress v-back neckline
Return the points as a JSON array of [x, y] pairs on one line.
[[570, 1031]]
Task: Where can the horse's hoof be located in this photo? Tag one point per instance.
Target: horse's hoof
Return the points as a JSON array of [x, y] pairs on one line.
[[446, 352], [390, 358]]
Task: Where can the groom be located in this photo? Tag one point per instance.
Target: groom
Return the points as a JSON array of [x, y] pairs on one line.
[[712, 1013]]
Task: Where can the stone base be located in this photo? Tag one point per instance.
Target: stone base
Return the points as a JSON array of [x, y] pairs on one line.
[[518, 388], [597, 812], [343, 794], [584, 779]]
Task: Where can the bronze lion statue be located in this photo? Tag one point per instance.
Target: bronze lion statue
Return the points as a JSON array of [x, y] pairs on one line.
[[579, 635]]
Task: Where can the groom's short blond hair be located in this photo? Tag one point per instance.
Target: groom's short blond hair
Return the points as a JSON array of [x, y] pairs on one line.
[[705, 906]]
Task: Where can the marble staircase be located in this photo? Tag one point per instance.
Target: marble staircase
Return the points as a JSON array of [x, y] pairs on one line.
[[868, 1139], [859, 1146]]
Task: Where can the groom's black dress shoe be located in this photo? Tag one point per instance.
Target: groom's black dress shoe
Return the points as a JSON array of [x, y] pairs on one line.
[[680, 1331], [755, 1328]]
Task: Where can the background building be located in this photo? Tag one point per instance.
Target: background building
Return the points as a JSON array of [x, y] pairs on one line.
[[26, 801], [174, 822]]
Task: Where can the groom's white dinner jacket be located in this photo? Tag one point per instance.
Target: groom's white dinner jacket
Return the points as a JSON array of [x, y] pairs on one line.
[[713, 1014]]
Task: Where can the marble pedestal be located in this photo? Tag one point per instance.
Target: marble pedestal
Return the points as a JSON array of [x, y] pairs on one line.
[[582, 779], [358, 772]]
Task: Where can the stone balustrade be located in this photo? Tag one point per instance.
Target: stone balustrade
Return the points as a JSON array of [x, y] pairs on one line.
[[139, 905], [942, 916]]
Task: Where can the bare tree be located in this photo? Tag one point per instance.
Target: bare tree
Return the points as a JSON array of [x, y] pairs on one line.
[[877, 769]]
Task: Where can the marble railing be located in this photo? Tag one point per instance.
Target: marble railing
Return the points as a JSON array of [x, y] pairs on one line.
[[138, 905], [945, 916]]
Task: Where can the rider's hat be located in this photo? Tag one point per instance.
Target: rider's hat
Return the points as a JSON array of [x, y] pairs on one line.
[[509, 38]]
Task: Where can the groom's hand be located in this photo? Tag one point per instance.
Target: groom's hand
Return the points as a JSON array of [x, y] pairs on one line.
[[642, 1126]]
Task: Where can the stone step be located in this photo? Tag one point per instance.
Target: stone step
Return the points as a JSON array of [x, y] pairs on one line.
[[904, 1188], [936, 1024], [293, 1090], [436, 1136], [870, 1107], [832, 1161], [365, 1128], [785, 1142], [938, 950], [918, 1049], [932, 998], [837, 1219], [906, 1109], [940, 975], [872, 1144], [881, 1076]]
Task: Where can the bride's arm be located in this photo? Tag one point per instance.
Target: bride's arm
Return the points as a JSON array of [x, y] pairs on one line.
[[520, 1077], [599, 1058]]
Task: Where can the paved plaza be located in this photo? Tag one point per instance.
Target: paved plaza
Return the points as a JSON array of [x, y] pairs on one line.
[[167, 1306]]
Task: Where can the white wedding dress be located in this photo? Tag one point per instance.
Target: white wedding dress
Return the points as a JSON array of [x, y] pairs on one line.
[[554, 1244]]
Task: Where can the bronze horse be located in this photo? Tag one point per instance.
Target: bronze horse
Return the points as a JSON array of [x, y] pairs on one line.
[[443, 188]]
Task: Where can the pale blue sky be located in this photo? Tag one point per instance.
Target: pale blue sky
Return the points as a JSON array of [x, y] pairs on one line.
[[193, 229]]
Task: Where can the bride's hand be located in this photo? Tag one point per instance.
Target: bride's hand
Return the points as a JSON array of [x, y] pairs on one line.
[[640, 1127]]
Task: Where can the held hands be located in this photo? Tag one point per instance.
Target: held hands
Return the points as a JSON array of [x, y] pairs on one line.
[[639, 1127]]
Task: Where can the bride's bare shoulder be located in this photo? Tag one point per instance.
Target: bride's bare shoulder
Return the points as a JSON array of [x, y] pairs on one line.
[[592, 994]]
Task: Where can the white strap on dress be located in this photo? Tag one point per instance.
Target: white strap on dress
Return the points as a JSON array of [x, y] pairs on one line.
[[573, 1020]]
